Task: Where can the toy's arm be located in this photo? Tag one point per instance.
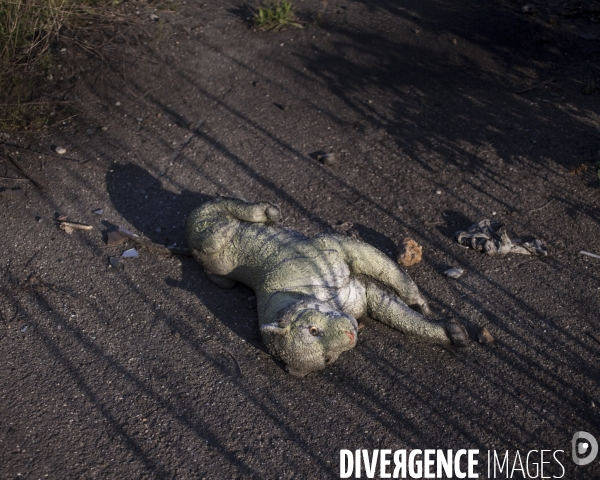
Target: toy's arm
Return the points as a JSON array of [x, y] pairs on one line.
[[367, 260]]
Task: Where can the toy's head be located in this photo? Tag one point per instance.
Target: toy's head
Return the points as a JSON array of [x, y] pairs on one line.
[[309, 335]]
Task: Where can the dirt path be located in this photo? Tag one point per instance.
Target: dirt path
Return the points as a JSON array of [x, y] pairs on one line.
[[147, 370]]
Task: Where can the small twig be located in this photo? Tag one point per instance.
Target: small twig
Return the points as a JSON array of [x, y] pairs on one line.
[[55, 102], [236, 361], [537, 85], [429, 224], [76, 226], [15, 179], [594, 336], [543, 206], [22, 172], [589, 254]]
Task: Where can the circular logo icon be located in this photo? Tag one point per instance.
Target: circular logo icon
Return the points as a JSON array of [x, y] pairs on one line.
[[584, 442]]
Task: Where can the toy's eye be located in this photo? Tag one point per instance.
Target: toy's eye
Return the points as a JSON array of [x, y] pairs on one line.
[[314, 331]]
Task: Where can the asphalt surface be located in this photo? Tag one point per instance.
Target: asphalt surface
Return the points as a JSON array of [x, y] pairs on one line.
[[439, 115]]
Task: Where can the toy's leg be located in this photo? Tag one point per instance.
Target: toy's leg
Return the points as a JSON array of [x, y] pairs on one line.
[[211, 227], [262, 212], [367, 260], [390, 310]]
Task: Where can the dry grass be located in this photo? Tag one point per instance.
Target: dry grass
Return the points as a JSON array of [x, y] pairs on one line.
[[27, 27]]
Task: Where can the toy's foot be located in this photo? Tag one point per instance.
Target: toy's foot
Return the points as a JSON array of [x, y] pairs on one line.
[[457, 333], [273, 213]]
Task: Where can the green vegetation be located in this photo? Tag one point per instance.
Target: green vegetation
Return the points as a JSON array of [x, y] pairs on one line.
[[275, 16]]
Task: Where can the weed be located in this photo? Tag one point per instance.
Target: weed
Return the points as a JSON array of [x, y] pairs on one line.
[[275, 16], [26, 29]]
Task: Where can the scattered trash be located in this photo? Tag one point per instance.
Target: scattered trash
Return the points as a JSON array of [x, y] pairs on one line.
[[489, 237], [454, 272], [60, 150], [327, 159], [131, 253], [589, 254], [115, 238], [98, 211], [410, 253], [24, 329], [70, 227], [114, 261], [485, 336]]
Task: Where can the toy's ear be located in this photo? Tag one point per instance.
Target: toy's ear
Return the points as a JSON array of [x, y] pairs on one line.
[[272, 329]]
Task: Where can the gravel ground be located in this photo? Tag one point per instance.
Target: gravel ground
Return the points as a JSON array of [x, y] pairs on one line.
[[439, 115]]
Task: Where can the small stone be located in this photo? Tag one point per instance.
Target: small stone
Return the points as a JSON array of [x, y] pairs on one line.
[[158, 230], [98, 211], [438, 192], [104, 129], [327, 159], [115, 238], [454, 272], [485, 336], [117, 104], [90, 131], [140, 119], [592, 404], [60, 150], [114, 261], [131, 253], [528, 8], [410, 253], [154, 17]]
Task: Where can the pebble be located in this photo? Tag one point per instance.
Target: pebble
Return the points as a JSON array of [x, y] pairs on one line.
[[154, 17], [114, 238], [485, 336], [60, 150], [439, 192], [327, 159], [117, 104], [90, 131], [131, 253], [114, 261], [454, 272]]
